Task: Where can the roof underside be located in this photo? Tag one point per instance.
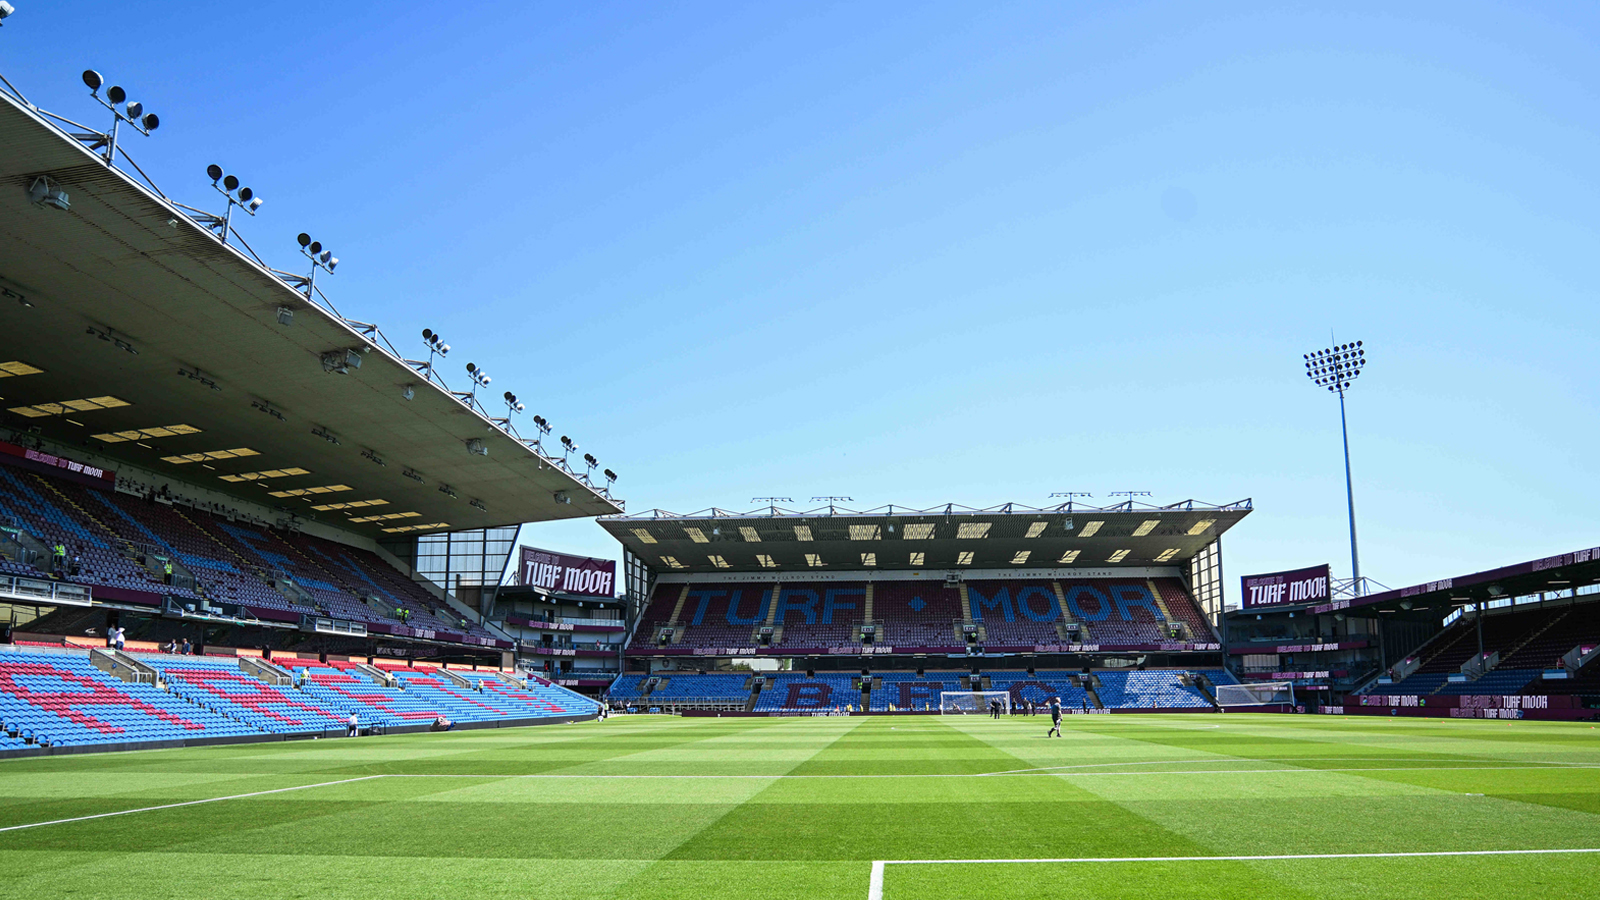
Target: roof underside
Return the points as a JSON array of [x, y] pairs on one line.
[[950, 538], [124, 260]]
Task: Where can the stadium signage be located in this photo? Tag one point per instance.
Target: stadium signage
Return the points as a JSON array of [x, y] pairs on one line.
[[1280, 588], [38, 460], [581, 575]]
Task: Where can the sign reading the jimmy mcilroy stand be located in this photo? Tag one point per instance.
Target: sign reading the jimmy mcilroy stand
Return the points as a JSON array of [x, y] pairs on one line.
[[560, 572], [1280, 588]]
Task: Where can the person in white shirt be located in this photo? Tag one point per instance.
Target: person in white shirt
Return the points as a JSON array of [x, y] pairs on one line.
[[117, 637], [355, 725]]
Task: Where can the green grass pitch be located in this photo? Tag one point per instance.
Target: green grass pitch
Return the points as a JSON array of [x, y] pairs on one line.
[[660, 808]]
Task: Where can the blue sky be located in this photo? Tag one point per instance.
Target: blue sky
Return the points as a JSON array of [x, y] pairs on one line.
[[952, 252]]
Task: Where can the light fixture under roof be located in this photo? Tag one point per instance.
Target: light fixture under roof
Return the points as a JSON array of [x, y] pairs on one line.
[[1146, 527], [917, 531], [1020, 557], [1089, 528], [1167, 554], [866, 533], [749, 534], [412, 474], [696, 535], [718, 561], [17, 367], [644, 536], [1035, 529], [869, 559], [1200, 526], [402, 529], [964, 558], [385, 517], [477, 505], [310, 491], [766, 561], [210, 456], [161, 431], [1118, 556], [917, 559], [371, 456], [448, 491], [325, 434], [268, 408], [266, 474], [673, 562], [352, 504], [814, 560], [971, 530], [39, 410], [1069, 557]]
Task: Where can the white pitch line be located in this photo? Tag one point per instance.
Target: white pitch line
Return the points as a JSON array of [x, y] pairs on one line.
[[1020, 774], [129, 812], [875, 883]]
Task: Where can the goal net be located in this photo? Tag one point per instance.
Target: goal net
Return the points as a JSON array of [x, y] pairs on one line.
[[1260, 693], [973, 702]]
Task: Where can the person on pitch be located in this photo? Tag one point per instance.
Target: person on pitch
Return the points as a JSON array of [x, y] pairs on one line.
[[1055, 717]]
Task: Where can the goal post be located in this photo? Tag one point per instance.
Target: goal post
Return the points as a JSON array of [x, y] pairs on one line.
[[973, 702], [1260, 693]]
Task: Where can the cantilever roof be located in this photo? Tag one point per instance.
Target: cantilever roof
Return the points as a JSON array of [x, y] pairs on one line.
[[125, 262], [832, 539]]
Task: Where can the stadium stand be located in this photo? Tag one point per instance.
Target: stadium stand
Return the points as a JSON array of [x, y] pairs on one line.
[[57, 697], [797, 691], [120, 541], [1040, 687], [1528, 642], [910, 691], [921, 614], [61, 699], [1148, 689]]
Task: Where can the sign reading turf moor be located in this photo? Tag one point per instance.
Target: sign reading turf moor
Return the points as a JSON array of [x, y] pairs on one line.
[[1276, 588], [583, 575]]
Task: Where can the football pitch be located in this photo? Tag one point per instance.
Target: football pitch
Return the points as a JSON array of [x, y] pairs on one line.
[[1170, 806]]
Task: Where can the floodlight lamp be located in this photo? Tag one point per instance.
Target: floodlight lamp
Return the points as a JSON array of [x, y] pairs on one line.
[[589, 458], [304, 239], [135, 109], [244, 193], [92, 79], [116, 94], [325, 256], [285, 316], [315, 248], [255, 204], [151, 121], [510, 397], [214, 172], [567, 443], [612, 476]]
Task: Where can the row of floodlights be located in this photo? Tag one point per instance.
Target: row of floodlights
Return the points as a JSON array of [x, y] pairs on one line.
[[313, 249], [245, 198], [133, 112], [1336, 367]]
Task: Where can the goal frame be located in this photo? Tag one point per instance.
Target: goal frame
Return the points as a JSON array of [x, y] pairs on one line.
[[1256, 693], [972, 702]]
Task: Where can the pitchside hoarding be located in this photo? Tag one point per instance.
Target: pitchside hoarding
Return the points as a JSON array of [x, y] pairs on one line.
[[1279, 588], [582, 575]]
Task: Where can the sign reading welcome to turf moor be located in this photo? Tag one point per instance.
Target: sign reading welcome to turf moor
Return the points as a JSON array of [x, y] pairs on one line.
[[1275, 588], [582, 575]]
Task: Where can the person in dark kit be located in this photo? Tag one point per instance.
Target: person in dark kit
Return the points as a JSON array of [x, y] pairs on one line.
[[994, 709], [1055, 717], [186, 648]]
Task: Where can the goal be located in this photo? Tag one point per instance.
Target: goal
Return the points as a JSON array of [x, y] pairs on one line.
[[1260, 693], [973, 702]]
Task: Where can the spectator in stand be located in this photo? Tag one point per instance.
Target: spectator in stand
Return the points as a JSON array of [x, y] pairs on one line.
[[58, 558], [166, 569], [186, 648], [118, 636]]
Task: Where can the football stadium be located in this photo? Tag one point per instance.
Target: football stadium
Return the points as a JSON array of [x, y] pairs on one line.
[[271, 628]]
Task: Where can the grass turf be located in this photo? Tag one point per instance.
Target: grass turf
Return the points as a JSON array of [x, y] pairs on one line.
[[661, 808]]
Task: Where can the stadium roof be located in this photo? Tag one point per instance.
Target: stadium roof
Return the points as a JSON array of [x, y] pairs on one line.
[[125, 295], [1566, 572], [945, 537]]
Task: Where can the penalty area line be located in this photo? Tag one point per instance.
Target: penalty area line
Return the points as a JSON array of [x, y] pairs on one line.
[[129, 812], [875, 882]]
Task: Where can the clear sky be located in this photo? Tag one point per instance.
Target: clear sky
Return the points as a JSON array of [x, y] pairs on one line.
[[961, 252]]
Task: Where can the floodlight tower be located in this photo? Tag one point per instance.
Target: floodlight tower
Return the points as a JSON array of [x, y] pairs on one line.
[[132, 113], [1336, 368]]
